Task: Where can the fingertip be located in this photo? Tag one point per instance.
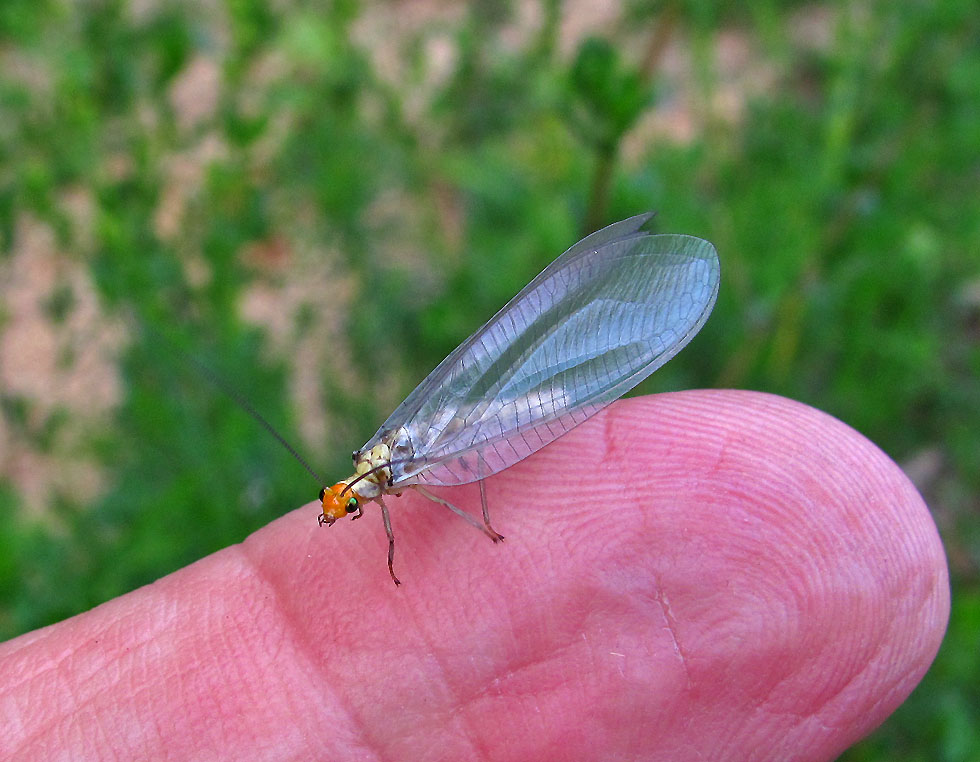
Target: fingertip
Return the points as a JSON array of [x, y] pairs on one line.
[[770, 526]]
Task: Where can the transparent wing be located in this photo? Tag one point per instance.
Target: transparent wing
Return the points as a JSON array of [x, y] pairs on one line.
[[602, 317]]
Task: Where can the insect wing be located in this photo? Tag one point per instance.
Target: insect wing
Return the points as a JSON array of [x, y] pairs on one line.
[[601, 318]]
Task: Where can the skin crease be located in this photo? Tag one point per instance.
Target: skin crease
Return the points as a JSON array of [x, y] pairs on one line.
[[703, 575]]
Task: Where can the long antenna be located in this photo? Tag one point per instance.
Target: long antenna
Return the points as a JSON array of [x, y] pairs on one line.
[[245, 405], [212, 376]]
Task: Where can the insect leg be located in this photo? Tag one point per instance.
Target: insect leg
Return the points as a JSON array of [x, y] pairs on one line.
[[391, 539], [435, 499], [494, 534]]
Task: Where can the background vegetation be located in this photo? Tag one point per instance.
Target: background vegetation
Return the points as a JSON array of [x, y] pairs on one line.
[[320, 201]]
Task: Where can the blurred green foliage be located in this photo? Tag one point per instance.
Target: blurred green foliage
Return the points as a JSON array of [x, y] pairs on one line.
[[842, 197]]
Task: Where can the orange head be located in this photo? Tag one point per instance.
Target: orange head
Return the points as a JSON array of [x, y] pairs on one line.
[[337, 503]]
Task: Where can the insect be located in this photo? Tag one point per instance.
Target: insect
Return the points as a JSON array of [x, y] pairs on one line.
[[598, 320]]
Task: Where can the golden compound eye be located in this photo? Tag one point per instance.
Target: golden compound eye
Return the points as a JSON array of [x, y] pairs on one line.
[[352, 505]]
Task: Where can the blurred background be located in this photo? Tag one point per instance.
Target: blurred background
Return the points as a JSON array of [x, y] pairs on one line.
[[319, 200]]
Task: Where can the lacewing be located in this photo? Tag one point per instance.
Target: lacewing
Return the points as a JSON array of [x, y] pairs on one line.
[[598, 320]]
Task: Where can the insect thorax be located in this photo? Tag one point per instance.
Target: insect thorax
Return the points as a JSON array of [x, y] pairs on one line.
[[374, 466]]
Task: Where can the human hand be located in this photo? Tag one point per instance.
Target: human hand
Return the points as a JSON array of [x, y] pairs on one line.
[[703, 575]]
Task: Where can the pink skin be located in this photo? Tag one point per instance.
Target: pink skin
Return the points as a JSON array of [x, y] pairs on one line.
[[705, 575]]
